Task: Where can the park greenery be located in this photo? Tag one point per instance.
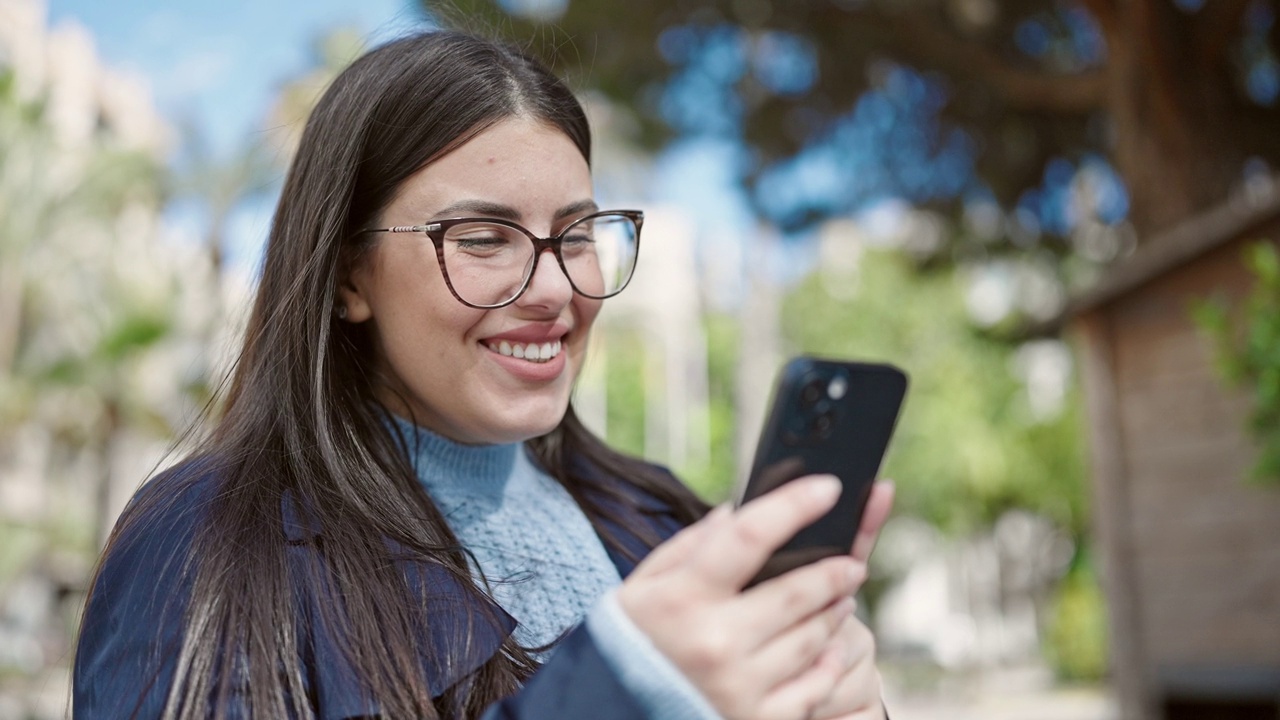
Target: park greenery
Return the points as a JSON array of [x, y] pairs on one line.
[[78, 318], [1247, 341], [970, 445], [92, 326]]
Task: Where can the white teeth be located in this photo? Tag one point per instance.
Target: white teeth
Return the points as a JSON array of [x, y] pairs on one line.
[[532, 352]]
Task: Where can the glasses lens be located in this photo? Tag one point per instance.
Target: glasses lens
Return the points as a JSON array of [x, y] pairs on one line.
[[600, 253], [487, 263]]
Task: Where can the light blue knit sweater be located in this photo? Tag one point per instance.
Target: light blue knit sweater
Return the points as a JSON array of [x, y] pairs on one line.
[[534, 547], [543, 562]]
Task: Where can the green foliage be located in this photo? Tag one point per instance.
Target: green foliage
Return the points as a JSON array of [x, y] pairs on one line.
[[625, 391], [968, 446], [92, 318], [132, 334], [1247, 347], [1077, 635], [714, 480], [626, 386]]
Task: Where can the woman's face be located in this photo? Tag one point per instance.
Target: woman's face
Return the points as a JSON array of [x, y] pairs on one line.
[[439, 359]]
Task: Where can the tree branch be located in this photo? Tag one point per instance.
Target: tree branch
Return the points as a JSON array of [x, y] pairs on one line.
[[924, 42]]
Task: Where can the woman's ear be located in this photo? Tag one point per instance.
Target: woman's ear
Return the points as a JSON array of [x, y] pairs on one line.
[[353, 293]]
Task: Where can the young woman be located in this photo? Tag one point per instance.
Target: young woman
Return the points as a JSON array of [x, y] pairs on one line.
[[397, 513]]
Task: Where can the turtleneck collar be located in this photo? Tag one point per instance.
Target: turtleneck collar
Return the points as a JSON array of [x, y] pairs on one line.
[[438, 460]]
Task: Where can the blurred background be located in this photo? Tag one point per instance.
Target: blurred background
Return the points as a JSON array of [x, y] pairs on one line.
[[1056, 215]]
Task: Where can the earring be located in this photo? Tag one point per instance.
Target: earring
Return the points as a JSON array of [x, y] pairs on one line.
[[342, 312]]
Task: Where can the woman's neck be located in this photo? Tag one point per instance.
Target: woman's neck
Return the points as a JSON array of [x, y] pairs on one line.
[[437, 459]]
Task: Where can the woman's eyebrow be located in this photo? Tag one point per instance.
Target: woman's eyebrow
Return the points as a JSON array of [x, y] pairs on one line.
[[480, 207], [582, 206], [506, 212]]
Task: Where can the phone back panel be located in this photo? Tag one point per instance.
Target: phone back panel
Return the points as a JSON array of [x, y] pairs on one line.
[[828, 417]]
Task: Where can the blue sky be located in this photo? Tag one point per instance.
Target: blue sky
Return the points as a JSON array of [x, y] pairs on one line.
[[218, 66], [221, 62]]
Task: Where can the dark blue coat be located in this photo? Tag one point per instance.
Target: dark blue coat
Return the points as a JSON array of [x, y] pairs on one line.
[[130, 633]]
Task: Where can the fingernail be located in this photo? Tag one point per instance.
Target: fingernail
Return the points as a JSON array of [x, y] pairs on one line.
[[857, 573], [825, 488]]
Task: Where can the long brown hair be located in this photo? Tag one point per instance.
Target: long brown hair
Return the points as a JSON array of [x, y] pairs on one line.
[[300, 419]]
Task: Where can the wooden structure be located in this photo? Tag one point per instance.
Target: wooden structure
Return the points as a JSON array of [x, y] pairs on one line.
[[1190, 551]]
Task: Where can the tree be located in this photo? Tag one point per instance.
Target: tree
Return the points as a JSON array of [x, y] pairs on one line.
[[88, 300], [941, 102], [974, 439]]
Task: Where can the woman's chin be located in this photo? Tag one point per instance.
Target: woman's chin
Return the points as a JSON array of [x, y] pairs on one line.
[[521, 420]]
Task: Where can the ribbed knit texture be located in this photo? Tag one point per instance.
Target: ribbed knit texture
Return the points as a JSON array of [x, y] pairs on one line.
[[542, 560]]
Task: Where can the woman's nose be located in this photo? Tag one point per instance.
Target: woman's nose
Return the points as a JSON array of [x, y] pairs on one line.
[[549, 286]]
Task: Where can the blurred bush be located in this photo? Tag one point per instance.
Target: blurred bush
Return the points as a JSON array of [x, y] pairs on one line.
[[1076, 641], [1247, 343]]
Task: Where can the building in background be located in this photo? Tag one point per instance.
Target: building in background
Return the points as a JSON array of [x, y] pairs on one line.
[[1190, 549]]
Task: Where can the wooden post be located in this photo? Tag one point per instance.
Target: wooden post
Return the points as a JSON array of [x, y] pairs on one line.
[[1112, 516]]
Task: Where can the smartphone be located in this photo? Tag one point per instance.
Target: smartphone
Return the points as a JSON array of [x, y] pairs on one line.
[[827, 416]]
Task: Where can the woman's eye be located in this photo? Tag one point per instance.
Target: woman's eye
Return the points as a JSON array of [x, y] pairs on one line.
[[578, 239], [481, 242]]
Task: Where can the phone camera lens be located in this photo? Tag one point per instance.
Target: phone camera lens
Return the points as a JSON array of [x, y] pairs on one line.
[[823, 424], [813, 391]]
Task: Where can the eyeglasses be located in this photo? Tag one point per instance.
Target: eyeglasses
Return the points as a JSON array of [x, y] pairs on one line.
[[488, 263]]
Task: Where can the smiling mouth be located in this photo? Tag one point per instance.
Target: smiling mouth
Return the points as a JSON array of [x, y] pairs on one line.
[[530, 352]]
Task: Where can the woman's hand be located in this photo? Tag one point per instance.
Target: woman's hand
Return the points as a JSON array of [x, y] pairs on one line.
[[788, 648], [857, 695]]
